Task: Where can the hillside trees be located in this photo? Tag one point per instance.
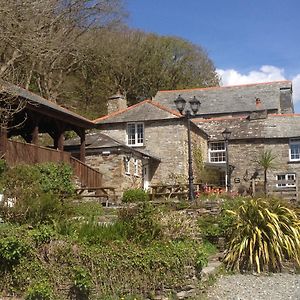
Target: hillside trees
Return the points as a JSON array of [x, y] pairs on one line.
[[79, 52], [138, 65]]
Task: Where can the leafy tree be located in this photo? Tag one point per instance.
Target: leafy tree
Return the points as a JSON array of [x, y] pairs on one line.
[[266, 160], [136, 64]]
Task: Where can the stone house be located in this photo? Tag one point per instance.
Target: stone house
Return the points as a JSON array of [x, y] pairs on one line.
[[260, 117], [121, 165], [278, 133], [156, 132]]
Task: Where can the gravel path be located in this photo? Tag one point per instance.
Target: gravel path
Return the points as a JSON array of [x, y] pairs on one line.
[[282, 286]]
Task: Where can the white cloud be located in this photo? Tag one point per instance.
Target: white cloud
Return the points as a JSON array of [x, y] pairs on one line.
[[265, 74]]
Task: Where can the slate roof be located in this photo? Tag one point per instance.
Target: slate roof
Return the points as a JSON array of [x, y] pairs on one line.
[[37, 101], [144, 111], [274, 126], [231, 99], [100, 141]]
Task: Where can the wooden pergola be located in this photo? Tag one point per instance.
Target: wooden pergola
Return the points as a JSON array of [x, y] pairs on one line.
[[39, 115]]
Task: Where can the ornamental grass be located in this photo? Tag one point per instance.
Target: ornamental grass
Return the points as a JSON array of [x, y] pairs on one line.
[[265, 235]]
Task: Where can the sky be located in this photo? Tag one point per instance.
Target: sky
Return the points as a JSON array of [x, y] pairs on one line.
[[248, 40]]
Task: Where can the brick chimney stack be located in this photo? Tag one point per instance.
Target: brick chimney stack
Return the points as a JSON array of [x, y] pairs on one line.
[[116, 102]]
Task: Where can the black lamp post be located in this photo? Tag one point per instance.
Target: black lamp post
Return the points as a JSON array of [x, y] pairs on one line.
[[194, 106], [226, 135]]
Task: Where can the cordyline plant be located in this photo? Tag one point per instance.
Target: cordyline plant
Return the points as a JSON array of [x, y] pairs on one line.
[[265, 234]]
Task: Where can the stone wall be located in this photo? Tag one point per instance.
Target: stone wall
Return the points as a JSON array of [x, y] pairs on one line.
[[242, 154], [113, 169], [167, 140]]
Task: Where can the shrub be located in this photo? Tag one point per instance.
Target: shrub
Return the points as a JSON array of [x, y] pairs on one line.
[[177, 225], [42, 235], [135, 195], [38, 209], [11, 251], [264, 234], [39, 291], [141, 223], [56, 178], [82, 283]]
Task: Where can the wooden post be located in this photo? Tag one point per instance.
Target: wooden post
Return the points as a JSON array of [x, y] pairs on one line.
[[82, 146], [60, 141], [35, 135]]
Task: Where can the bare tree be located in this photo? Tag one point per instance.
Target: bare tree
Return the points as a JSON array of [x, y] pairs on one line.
[[38, 38]]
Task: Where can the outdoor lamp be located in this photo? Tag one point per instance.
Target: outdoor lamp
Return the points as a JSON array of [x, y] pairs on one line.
[[194, 107], [195, 104], [180, 103], [226, 134]]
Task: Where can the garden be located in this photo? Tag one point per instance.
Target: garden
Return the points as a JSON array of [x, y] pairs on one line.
[[54, 245]]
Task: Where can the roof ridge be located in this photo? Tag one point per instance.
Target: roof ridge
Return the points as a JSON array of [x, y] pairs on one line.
[[115, 113], [226, 86], [160, 106], [199, 120], [154, 103]]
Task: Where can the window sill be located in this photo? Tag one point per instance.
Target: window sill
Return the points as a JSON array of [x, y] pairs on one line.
[[294, 161]]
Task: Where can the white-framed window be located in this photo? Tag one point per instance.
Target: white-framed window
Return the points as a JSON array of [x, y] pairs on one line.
[[217, 152], [135, 134], [127, 165], [295, 150], [136, 167], [289, 176]]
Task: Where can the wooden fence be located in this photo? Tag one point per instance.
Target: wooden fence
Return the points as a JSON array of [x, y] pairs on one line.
[[88, 176], [18, 153], [23, 153]]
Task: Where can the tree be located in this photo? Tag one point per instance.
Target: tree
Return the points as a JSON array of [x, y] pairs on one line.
[[138, 65], [38, 38], [266, 161]]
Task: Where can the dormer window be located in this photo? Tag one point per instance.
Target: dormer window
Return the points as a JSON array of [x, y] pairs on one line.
[[135, 134]]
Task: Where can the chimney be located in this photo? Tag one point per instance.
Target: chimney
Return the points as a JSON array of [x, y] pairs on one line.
[[116, 102], [258, 104], [260, 112]]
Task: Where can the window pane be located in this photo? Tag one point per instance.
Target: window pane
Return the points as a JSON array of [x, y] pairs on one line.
[[295, 151], [217, 157], [217, 146], [140, 133], [131, 134]]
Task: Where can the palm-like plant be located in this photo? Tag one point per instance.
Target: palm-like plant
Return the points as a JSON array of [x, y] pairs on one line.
[[267, 161], [265, 234]]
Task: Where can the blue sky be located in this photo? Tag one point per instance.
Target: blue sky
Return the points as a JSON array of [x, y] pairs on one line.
[[249, 41]]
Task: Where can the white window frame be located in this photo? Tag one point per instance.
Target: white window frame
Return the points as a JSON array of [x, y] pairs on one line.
[[294, 142], [286, 177], [138, 140], [136, 167], [220, 151], [127, 165]]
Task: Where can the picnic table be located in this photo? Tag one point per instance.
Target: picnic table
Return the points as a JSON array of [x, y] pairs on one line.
[[180, 190], [106, 192]]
